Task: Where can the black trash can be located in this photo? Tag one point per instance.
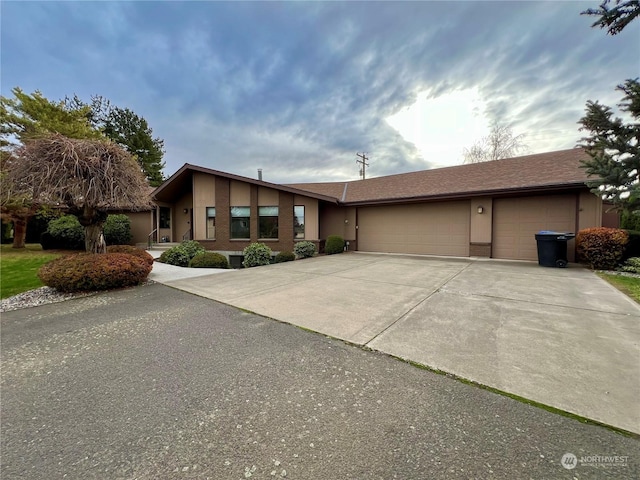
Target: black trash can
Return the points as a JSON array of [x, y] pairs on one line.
[[552, 248]]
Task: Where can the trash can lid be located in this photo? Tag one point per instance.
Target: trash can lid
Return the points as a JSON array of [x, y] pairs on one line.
[[549, 232]]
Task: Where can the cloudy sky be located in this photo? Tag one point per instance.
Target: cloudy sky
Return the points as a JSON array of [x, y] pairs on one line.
[[298, 88]]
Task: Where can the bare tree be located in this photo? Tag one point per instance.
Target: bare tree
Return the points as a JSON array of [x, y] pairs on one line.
[[500, 143], [86, 178]]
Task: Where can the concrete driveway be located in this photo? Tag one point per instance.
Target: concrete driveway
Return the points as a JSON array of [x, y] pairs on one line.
[[560, 337]]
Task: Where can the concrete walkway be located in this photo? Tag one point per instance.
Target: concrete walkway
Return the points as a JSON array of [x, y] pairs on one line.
[[561, 337]]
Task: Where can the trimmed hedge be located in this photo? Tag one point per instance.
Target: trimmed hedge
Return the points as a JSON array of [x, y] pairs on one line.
[[335, 244], [304, 249], [256, 254], [135, 251], [117, 230], [209, 260], [64, 233], [94, 271], [181, 255], [67, 233], [285, 257], [600, 247]]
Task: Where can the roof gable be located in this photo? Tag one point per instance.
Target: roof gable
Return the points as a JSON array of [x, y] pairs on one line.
[[176, 181]]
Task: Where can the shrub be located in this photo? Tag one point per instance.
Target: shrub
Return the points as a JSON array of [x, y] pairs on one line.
[[67, 233], [632, 249], [117, 230], [600, 247], [64, 232], [285, 257], [335, 244], [209, 260], [630, 220], [256, 254], [632, 265], [138, 252], [39, 223], [192, 248], [181, 255], [304, 249], [91, 271]]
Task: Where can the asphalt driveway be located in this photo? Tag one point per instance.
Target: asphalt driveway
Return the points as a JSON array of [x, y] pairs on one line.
[[155, 383], [561, 337]]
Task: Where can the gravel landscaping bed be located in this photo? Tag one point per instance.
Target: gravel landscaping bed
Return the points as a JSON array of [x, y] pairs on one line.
[[41, 296]]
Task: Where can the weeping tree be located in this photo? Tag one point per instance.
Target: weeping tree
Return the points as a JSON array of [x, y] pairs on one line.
[[26, 117], [87, 178]]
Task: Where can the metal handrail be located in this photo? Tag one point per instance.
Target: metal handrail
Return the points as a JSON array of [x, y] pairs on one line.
[[151, 236], [187, 235]]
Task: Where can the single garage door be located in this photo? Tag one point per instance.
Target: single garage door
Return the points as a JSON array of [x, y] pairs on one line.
[[517, 220], [429, 229]]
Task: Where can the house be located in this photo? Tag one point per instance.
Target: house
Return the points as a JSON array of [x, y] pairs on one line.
[[490, 209]]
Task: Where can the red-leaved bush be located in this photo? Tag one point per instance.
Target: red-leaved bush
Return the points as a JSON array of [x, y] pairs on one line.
[[91, 271], [131, 250], [600, 247]]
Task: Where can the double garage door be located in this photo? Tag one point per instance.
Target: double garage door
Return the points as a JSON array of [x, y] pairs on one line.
[[443, 228], [427, 229]]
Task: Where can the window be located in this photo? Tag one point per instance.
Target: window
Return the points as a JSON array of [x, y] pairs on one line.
[[240, 222], [298, 221], [165, 217], [211, 222], [268, 222]]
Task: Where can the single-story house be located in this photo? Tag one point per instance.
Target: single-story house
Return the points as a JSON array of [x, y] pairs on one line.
[[490, 209]]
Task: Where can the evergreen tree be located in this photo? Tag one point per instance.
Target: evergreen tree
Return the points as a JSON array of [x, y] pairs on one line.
[[616, 18], [127, 129], [614, 149]]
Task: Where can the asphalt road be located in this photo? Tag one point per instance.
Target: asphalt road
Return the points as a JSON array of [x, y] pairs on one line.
[[152, 383]]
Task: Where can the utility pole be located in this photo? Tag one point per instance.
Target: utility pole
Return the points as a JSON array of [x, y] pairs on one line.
[[362, 161]]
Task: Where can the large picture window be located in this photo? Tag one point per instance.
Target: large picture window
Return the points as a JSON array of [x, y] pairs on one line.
[[211, 223], [165, 217], [268, 222], [298, 222], [240, 217]]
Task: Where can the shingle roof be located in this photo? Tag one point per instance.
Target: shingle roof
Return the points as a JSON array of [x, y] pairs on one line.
[[553, 170]]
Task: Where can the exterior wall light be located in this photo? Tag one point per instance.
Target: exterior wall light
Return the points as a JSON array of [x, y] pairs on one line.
[[480, 209], [185, 210]]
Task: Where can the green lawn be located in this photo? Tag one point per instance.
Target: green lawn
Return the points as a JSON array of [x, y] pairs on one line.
[[628, 285], [19, 268]]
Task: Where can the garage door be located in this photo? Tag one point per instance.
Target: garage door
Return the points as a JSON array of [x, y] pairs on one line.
[[517, 220], [430, 229]]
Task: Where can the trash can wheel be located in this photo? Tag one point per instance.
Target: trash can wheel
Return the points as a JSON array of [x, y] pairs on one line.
[[561, 263]]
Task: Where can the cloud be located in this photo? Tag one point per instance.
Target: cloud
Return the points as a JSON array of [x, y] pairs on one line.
[[298, 88]]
